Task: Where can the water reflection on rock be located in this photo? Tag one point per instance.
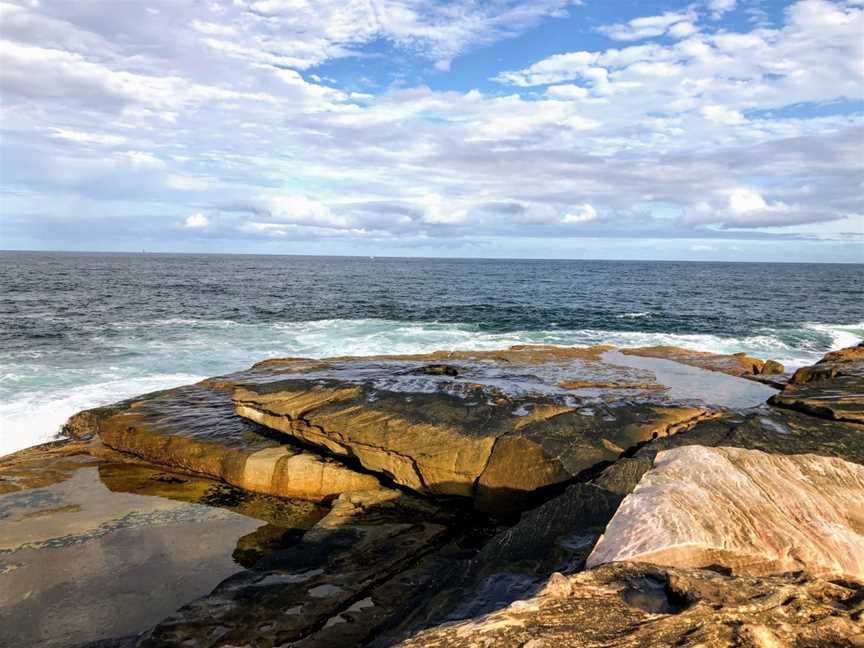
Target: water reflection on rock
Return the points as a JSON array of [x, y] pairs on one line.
[[106, 550]]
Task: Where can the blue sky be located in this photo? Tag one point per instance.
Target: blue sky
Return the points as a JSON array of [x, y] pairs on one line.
[[715, 130]]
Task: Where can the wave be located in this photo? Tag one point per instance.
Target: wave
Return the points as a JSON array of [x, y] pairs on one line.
[[35, 417], [39, 391]]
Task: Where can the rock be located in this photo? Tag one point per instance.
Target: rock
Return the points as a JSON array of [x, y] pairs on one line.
[[622, 476], [772, 367], [736, 364], [501, 430], [771, 429], [744, 510], [194, 429], [514, 564], [833, 388], [499, 427], [628, 605], [83, 545], [320, 590]]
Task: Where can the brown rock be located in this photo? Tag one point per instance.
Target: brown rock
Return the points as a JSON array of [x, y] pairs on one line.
[[833, 388], [772, 367], [628, 605], [468, 444], [194, 429], [736, 364]]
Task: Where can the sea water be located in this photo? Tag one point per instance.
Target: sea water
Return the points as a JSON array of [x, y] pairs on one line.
[[81, 329]]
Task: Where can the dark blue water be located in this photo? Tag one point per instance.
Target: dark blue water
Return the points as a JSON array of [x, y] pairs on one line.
[[82, 329]]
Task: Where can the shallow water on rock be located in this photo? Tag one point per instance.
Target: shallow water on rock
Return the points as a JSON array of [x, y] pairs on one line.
[[82, 560], [686, 383]]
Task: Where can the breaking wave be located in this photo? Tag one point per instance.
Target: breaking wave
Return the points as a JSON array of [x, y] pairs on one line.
[[39, 392]]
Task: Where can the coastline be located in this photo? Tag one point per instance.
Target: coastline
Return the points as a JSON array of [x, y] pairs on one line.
[[34, 414], [428, 499]]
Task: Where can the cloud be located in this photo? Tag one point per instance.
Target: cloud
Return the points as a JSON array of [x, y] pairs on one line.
[[582, 214], [696, 131], [197, 221], [720, 7], [650, 26]]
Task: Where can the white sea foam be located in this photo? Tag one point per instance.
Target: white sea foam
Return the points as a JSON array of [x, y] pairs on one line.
[[36, 417], [37, 396]]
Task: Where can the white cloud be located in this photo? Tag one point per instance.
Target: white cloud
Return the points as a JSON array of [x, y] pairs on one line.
[[197, 221], [582, 214], [719, 7], [649, 26], [742, 201], [299, 209], [722, 115], [80, 137]]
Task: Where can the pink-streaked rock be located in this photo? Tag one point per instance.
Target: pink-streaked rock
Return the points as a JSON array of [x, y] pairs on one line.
[[752, 512]]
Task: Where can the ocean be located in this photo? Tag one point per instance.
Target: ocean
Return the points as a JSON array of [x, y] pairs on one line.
[[79, 330]]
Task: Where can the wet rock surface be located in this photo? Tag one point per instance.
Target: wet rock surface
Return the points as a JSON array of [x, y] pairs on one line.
[[92, 550], [194, 429], [831, 389], [457, 497], [736, 364], [496, 426]]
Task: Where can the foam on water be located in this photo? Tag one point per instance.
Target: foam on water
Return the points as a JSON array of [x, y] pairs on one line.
[[39, 391]]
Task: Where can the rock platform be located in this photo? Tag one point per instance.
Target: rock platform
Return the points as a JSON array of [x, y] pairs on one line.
[[533, 496]]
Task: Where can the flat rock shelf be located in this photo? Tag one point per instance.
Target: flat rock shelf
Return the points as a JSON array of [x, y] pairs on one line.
[[532, 496]]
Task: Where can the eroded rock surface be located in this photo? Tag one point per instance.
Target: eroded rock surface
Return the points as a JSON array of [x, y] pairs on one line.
[[642, 606], [833, 388], [560, 435], [496, 426], [194, 429], [773, 430], [744, 510]]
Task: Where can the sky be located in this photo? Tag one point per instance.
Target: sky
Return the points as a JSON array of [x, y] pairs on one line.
[[618, 129]]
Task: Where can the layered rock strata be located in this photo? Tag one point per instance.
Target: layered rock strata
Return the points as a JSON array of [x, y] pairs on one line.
[[751, 512], [563, 433], [495, 426], [194, 429]]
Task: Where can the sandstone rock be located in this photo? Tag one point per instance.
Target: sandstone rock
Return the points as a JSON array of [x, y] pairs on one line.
[[745, 510], [622, 476], [629, 605], [833, 388], [770, 429], [772, 367], [194, 429], [496, 426], [472, 439], [736, 364], [514, 564]]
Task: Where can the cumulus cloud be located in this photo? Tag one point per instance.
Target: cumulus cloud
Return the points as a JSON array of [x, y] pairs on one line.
[[197, 220], [581, 214], [651, 26]]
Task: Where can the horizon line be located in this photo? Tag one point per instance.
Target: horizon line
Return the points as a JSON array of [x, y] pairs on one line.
[[420, 258]]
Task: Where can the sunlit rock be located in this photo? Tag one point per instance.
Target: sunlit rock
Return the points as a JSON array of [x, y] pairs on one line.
[[630, 605], [745, 510], [194, 429]]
